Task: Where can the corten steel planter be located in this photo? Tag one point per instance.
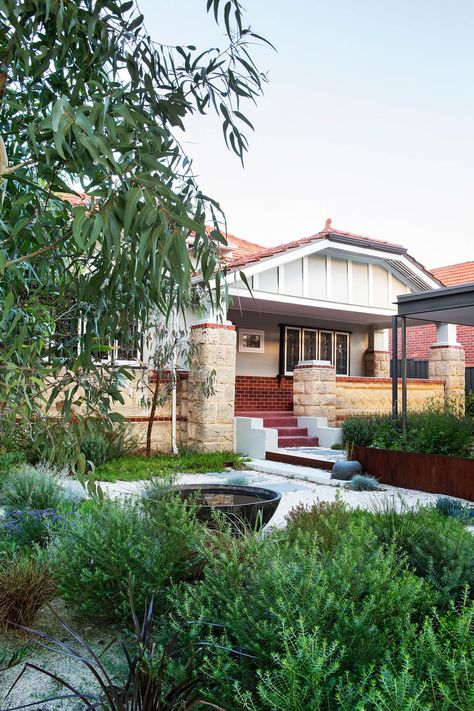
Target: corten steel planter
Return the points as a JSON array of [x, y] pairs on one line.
[[245, 506], [434, 473]]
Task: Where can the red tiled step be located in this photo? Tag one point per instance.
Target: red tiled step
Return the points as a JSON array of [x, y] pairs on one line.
[[264, 413], [298, 441], [280, 422], [292, 431]]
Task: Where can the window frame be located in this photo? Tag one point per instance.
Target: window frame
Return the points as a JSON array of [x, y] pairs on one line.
[[251, 332], [334, 332]]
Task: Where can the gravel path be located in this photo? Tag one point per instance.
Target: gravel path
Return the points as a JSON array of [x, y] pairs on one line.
[[294, 491]]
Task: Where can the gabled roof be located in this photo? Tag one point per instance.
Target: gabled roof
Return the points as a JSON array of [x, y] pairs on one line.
[[328, 232], [453, 274]]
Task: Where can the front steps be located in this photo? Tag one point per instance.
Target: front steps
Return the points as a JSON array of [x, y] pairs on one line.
[[289, 434], [258, 432]]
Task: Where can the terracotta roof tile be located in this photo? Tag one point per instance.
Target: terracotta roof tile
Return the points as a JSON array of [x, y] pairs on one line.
[[453, 274], [264, 253], [241, 248], [74, 199]]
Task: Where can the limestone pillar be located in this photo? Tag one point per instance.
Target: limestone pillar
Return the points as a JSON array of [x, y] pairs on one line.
[[211, 419], [446, 361], [314, 390], [377, 355]]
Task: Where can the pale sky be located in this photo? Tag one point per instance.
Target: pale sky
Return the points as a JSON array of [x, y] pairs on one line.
[[368, 118]]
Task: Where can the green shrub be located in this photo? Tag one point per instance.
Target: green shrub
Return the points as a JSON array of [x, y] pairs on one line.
[[9, 461], [95, 449], [439, 432], [328, 520], [101, 441], [138, 468], [290, 604], [433, 431], [26, 585], [32, 488], [363, 482], [364, 429], [104, 547], [439, 549]]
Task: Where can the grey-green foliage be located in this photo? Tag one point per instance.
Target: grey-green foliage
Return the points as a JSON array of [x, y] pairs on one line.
[[363, 482], [95, 449], [455, 508], [90, 104], [104, 548], [29, 487]]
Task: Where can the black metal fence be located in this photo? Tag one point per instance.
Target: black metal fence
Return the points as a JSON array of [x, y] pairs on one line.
[[469, 379], [415, 368]]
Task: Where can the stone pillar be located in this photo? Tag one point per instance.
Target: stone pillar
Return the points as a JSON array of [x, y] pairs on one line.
[[447, 362], [377, 355], [314, 390], [211, 419]]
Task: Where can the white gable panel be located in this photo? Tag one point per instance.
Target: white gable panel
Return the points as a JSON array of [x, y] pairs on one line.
[[360, 283], [380, 285], [316, 288], [293, 278], [268, 280], [339, 281]]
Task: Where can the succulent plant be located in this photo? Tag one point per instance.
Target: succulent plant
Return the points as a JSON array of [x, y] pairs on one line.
[[455, 508], [363, 482]]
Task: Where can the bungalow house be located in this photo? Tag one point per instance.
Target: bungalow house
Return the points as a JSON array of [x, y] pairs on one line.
[[305, 347], [310, 340]]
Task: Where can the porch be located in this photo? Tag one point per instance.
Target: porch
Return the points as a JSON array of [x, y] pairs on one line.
[[272, 341]]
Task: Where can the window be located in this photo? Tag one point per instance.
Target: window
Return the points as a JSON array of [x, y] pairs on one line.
[[325, 346], [293, 348], [251, 341], [313, 344], [342, 353], [126, 348], [129, 349]]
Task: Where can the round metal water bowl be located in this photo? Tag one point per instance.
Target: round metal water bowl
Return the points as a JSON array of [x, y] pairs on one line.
[[246, 506], [345, 469]]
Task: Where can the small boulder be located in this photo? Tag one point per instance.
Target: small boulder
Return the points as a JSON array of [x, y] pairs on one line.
[[345, 469]]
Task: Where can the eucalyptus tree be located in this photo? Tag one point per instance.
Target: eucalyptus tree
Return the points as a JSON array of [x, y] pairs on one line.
[[99, 204]]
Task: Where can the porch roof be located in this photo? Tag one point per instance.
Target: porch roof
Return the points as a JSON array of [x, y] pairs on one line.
[[451, 304], [311, 308]]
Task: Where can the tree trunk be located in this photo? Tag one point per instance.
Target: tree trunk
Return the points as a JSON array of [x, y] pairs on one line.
[[154, 403]]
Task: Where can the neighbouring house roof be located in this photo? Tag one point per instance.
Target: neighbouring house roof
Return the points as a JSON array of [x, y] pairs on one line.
[[74, 199], [454, 274], [240, 248]]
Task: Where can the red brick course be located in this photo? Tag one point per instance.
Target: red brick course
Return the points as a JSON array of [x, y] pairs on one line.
[[263, 393]]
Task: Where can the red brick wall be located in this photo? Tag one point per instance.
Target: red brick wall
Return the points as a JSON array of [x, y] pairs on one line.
[[420, 338], [263, 393]]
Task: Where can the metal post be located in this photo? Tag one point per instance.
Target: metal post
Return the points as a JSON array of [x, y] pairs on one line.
[[395, 367], [404, 374]]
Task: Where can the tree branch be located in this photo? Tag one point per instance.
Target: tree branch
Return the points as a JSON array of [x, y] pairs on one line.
[[18, 166], [32, 255]]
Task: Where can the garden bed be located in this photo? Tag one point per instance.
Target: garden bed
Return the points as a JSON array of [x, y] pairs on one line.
[[435, 473]]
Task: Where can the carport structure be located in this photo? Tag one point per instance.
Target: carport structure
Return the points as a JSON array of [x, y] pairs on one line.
[[447, 307]]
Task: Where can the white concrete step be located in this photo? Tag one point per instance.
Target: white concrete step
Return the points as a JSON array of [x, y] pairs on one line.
[[291, 471]]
